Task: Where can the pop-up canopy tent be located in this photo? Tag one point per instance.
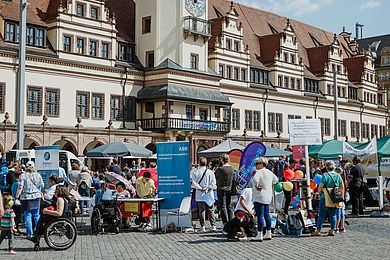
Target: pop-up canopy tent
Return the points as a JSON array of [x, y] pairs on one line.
[[220, 149], [120, 149], [328, 150], [275, 152]]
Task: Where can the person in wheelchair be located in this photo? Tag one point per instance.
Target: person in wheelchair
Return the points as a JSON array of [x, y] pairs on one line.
[[48, 195], [121, 191], [61, 197]]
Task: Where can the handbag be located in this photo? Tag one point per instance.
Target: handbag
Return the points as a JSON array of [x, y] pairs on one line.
[[201, 179]]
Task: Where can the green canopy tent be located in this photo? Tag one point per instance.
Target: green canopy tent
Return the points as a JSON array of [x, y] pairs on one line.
[[328, 150], [274, 152]]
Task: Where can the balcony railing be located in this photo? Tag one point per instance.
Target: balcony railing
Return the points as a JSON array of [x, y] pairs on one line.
[[184, 124], [197, 26]]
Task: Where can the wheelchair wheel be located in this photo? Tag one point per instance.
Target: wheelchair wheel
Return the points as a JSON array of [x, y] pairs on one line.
[[96, 222], [60, 234]]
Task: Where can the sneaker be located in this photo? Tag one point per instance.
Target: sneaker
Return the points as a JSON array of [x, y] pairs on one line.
[[148, 227], [331, 233], [11, 252], [316, 233], [213, 228], [259, 237], [337, 231], [268, 235], [342, 230], [202, 229], [243, 238]]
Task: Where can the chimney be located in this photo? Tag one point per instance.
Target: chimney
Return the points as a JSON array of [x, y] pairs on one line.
[[357, 26]]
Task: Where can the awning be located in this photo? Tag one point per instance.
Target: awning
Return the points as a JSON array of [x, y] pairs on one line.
[[184, 93]]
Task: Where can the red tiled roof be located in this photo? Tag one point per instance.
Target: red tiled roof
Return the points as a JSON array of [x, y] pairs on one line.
[[124, 11], [36, 11], [355, 67], [269, 46], [216, 31], [318, 56]]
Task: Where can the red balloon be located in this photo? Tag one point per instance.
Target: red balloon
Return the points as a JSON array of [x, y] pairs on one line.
[[298, 174], [313, 185], [293, 199], [288, 174]]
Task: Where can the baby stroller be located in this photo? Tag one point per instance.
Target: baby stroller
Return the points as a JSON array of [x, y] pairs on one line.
[[106, 216]]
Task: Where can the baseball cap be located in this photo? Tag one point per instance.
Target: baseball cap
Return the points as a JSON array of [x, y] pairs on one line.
[[30, 164]]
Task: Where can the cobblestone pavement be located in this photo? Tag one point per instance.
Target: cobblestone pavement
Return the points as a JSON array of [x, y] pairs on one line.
[[366, 238]]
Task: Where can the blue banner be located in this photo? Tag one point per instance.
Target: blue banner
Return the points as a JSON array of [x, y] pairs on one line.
[[47, 161], [173, 164]]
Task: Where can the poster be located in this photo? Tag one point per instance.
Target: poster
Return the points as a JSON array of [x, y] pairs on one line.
[[173, 162], [368, 156], [47, 161], [305, 131], [251, 152]]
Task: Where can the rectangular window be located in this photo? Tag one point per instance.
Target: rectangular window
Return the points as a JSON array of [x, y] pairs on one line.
[[374, 131], [146, 24], [279, 122], [248, 120], [236, 73], [34, 101], [226, 115], [325, 126], [229, 72], [280, 81], [365, 130], [67, 44], [292, 58], [243, 74], [203, 113], [125, 52], [285, 57], [256, 120], [2, 97], [285, 82], [353, 93], [116, 107], [342, 128], [82, 104], [30, 36], [97, 106], [194, 61], [382, 131], [52, 102], [271, 122], [80, 10], [80, 46], [39, 37], [236, 119], [150, 59], [221, 73], [298, 84], [149, 107], [292, 83], [228, 44], [92, 48], [10, 35], [355, 129], [105, 50], [189, 112], [94, 13], [236, 45]]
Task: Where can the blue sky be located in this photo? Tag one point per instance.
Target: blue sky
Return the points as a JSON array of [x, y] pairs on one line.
[[332, 15]]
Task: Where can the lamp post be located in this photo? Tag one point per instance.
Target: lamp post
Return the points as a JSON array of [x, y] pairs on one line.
[[21, 75]]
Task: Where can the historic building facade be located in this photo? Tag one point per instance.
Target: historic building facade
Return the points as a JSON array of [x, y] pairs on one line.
[[147, 71]]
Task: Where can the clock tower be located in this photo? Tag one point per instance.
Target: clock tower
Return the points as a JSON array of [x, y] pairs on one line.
[[174, 29]]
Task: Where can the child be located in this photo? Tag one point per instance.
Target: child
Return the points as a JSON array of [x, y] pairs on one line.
[[340, 212], [7, 223]]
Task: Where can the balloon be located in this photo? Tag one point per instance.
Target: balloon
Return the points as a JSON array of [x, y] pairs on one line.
[[278, 187], [288, 174], [293, 199], [317, 179], [288, 186], [298, 174], [313, 185], [297, 198], [294, 204]]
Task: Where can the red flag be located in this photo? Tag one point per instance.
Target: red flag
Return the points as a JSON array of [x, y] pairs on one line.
[[298, 152]]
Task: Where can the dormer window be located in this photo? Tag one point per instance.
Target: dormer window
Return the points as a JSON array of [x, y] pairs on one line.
[[94, 13], [125, 52], [228, 44], [80, 10], [236, 46], [292, 58], [35, 36], [285, 57]]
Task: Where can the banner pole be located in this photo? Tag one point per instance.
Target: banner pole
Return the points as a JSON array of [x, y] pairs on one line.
[[309, 204]]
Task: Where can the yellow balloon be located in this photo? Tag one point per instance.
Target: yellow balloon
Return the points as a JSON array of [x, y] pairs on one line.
[[288, 186]]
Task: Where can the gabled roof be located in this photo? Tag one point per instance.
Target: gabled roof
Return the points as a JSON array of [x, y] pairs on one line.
[[355, 67], [269, 46], [318, 57], [216, 31]]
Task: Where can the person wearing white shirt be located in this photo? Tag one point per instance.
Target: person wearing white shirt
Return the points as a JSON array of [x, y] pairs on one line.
[[263, 182], [245, 203], [48, 195], [203, 181]]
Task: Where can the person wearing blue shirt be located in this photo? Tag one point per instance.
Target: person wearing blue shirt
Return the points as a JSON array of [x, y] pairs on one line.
[[103, 194]]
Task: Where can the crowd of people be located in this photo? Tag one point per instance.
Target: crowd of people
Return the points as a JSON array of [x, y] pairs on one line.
[[341, 176], [26, 199]]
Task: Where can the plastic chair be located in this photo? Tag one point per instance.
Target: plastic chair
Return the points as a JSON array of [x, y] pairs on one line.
[[184, 210]]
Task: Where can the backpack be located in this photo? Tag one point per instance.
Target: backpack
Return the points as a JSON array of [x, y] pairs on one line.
[[83, 189], [294, 225], [335, 195]]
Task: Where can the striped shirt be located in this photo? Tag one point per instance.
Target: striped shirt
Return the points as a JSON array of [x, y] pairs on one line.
[[7, 220]]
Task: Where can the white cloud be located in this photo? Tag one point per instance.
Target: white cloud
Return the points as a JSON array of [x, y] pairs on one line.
[[369, 5], [288, 7]]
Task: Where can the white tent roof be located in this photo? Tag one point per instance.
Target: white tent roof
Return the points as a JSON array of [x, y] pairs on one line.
[[220, 149]]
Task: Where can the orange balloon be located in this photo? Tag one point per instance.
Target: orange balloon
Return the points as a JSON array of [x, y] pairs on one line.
[[288, 174], [313, 185], [298, 174]]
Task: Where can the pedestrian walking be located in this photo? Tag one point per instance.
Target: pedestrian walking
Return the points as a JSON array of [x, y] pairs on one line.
[[224, 178], [7, 223]]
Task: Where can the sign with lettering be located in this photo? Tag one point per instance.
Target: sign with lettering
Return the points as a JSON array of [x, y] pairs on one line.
[[305, 131], [47, 161]]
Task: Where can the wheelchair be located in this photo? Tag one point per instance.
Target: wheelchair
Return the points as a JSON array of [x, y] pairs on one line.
[[106, 216], [59, 234]]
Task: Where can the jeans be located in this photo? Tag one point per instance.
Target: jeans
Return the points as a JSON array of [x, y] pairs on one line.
[[203, 208], [224, 201], [31, 218], [262, 212], [356, 200], [88, 201], [323, 211]]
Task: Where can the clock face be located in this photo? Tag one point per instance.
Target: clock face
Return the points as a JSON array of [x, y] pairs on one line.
[[196, 7]]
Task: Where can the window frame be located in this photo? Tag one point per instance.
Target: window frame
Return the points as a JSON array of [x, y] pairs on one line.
[[65, 44], [3, 93], [56, 103], [235, 119], [248, 120], [78, 4], [118, 110], [37, 103], [103, 51], [79, 106], [97, 12], [78, 40], [148, 61], [194, 61], [256, 123], [93, 51], [94, 106], [146, 24]]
